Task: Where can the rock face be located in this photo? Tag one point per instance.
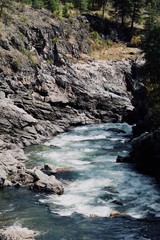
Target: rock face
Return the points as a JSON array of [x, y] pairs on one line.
[[145, 153], [44, 88], [75, 94]]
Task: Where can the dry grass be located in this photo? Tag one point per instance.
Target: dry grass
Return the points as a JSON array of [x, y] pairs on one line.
[[116, 51]]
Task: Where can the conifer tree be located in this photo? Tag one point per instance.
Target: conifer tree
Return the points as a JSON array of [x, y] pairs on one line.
[[135, 11], [151, 48], [123, 8], [82, 5]]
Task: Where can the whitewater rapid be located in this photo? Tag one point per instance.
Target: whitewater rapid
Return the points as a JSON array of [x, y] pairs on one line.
[[95, 184]]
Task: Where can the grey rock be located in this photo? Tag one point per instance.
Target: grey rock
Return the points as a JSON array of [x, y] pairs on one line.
[[48, 166], [145, 153], [3, 174], [46, 183], [2, 95], [7, 183]]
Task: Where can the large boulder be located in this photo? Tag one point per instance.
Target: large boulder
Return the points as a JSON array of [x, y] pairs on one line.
[[146, 153], [46, 183]]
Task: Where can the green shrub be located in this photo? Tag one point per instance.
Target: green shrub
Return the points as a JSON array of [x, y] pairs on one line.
[[95, 36], [37, 4], [24, 18], [67, 9], [5, 5], [136, 41], [56, 40], [108, 42], [15, 65]]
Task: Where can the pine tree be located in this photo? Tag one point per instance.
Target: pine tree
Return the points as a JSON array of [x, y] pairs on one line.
[[151, 48], [135, 13], [82, 5], [104, 3], [123, 8]]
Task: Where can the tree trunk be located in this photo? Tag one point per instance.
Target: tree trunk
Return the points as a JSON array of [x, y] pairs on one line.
[[92, 4], [122, 17], [103, 7], [1, 10], [133, 17]]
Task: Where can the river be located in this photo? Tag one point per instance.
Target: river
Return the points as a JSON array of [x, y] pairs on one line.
[[95, 186]]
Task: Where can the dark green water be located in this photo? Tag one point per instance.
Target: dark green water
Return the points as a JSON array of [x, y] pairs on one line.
[[95, 187]]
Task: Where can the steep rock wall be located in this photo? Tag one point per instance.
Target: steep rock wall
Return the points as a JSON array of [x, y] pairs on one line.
[[40, 73]]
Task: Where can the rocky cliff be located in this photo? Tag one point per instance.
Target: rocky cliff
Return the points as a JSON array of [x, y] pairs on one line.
[[48, 84], [145, 153]]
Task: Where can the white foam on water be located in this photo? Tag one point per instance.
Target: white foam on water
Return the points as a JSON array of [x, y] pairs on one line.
[[78, 162], [137, 192], [78, 205], [115, 139], [88, 211], [104, 159], [89, 150], [65, 158], [66, 140], [80, 197]]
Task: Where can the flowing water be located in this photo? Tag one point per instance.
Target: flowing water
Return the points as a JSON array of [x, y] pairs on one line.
[[95, 186]]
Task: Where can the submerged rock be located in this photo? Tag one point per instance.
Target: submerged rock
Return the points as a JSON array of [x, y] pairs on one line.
[[117, 202], [123, 159], [116, 130], [115, 214]]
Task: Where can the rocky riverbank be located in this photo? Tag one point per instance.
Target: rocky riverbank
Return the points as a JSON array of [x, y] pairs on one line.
[[46, 87]]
